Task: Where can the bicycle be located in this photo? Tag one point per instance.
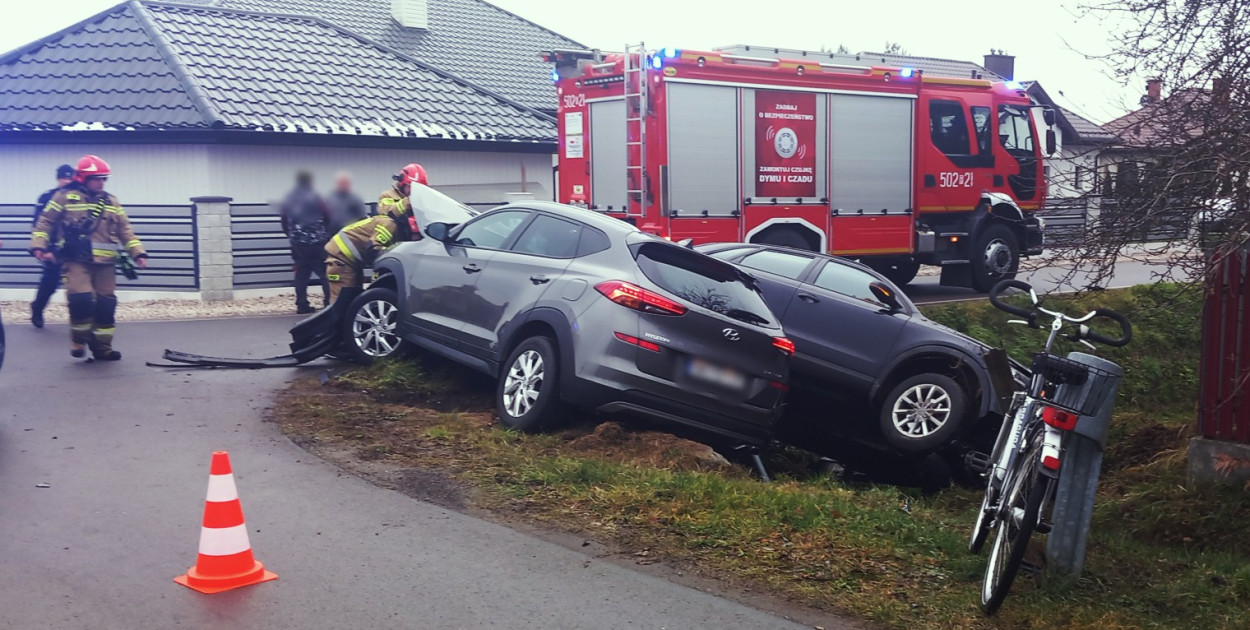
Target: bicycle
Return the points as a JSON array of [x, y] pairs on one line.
[[1023, 469]]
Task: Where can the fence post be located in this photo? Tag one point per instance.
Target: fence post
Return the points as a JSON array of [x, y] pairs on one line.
[[1078, 479], [213, 247]]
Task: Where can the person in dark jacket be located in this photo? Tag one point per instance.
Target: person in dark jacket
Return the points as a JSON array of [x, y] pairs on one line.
[[346, 207], [51, 278], [306, 221]]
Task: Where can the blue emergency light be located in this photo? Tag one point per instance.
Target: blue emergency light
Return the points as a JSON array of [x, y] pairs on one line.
[[906, 73]]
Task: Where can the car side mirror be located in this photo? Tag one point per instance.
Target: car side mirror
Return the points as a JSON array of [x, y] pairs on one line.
[[886, 296], [437, 231], [1051, 142], [1048, 115]]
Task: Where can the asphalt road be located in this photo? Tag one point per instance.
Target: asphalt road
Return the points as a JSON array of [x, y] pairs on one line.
[[125, 451], [924, 290]]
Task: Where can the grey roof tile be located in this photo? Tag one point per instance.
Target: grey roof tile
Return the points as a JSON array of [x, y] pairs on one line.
[[106, 70], [471, 39]]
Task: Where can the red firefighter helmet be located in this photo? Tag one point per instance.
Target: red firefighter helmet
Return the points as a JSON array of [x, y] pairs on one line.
[[412, 173], [90, 166]]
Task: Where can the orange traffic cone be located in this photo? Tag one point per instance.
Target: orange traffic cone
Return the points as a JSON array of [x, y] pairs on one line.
[[225, 560]]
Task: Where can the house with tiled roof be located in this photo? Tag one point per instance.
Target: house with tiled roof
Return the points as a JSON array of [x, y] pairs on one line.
[[185, 95], [229, 99]]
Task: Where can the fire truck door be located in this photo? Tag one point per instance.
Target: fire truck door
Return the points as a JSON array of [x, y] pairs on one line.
[[957, 160], [607, 155]]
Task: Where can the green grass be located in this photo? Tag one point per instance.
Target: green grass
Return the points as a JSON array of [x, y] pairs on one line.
[[1162, 554]]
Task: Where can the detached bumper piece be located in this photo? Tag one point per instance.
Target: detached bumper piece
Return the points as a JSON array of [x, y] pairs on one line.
[[311, 339]]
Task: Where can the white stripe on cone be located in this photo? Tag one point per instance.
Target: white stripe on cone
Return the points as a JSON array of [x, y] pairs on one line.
[[221, 488], [224, 541]]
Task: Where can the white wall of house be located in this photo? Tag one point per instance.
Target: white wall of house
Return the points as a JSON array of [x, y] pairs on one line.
[[173, 173], [1072, 171]]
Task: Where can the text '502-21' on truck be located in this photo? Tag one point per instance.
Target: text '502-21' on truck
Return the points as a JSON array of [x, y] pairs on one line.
[[882, 164]]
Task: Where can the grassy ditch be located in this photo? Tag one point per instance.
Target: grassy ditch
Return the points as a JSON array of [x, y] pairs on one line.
[[1162, 555]]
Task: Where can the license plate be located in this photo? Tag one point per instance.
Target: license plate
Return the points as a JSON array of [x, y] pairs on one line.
[[708, 372]]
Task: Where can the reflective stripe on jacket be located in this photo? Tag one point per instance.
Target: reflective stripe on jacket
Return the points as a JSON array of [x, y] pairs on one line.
[[360, 243], [73, 207]]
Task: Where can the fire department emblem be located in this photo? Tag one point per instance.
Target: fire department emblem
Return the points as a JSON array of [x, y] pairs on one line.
[[786, 142]]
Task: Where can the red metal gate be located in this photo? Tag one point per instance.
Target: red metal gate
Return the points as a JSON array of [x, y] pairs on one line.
[[1224, 398]]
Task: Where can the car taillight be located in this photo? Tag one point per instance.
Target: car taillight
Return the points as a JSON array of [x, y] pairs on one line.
[[784, 345], [1060, 419], [641, 343], [638, 298]]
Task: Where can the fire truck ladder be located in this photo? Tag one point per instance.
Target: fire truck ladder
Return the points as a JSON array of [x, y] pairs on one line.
[[636, 128]]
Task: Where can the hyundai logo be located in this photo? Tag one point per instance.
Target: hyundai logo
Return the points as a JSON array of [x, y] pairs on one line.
[[731, 334]]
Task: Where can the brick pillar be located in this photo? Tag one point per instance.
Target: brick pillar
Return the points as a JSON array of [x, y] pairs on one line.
[[214, 249]]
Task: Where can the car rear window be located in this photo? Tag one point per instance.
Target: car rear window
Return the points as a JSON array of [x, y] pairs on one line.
[[704, 281]]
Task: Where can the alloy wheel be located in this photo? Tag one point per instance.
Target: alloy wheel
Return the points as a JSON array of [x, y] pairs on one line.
[[373, 329], [921, 410], [523, 384]]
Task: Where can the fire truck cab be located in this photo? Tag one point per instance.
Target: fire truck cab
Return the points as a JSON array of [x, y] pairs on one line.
[[877, 163]]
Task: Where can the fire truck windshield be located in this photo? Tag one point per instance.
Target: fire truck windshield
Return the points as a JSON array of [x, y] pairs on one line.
[[1014, 130]]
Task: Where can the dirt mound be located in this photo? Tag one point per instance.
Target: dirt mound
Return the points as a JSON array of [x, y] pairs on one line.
[[620, 443], [1144, 445]]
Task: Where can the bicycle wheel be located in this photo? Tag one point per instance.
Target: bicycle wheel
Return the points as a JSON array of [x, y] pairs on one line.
[[1017, 518]]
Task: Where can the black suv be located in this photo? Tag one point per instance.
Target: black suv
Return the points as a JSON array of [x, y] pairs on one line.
[[857, 337], [567, 306]]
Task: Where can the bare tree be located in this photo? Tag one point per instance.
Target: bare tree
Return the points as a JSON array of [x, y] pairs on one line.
[[1179, 173]]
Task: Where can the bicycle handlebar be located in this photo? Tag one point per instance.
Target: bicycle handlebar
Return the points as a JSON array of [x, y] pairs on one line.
[[1126, 329], [1031, 316], [1083, 330]]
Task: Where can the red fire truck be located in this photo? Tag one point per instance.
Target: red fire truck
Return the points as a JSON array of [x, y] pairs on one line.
[[877, 163]]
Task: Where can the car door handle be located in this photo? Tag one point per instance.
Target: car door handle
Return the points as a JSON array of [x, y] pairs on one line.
[[540, 279], [810, 299], [472, 268]]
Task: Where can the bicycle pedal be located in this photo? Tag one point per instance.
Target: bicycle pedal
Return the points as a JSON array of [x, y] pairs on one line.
[[977, 462], [1044, 527], [1029, 569]]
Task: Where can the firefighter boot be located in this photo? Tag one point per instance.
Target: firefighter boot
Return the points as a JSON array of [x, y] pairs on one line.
[[81, 306], [103, 327]]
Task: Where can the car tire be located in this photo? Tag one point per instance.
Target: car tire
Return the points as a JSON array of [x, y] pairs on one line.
[[995, 257], [370, 327], [527, 397], [785, 237], [922, 413], [900, 271]]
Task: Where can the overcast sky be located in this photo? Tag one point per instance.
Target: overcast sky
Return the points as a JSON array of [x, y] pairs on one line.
[[1047, 37]]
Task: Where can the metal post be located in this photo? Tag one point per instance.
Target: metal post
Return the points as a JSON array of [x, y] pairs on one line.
[[1078, 479]]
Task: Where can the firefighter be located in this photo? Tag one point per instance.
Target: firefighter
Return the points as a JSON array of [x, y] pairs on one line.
[[356, 246], [92, 228], [51, 278]]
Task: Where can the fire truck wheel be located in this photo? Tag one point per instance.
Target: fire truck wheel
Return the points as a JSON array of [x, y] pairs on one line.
[[995, 257], [900, 271], [785, 237]]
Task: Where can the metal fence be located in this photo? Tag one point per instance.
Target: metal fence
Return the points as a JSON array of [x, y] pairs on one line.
[[262, 254], [1171, 224], [1065, 220], [168, 233], [1224, 398]]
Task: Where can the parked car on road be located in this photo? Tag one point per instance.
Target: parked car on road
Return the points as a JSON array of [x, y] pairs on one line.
[[570, 307], [912, 383]]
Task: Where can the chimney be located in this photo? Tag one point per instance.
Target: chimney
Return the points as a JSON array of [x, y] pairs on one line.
[[411, 13], [1154, 87], [1002, 64]]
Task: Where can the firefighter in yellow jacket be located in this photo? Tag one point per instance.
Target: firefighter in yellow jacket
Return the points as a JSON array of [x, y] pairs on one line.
[[91, 228], [356, 246]]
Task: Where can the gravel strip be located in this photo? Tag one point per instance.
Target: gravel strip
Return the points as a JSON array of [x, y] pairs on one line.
[[150, 310]]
